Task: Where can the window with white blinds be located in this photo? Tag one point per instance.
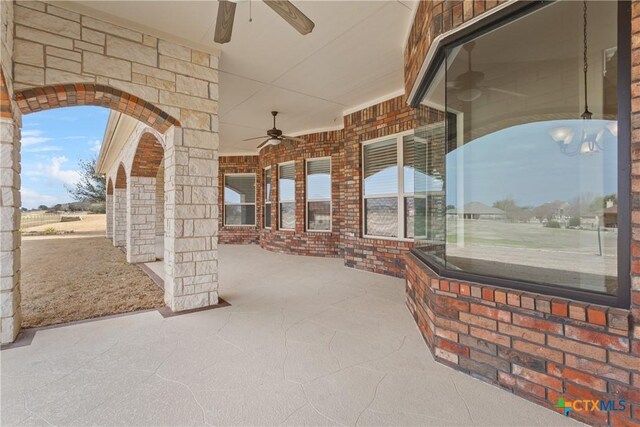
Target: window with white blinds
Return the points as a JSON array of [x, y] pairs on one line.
[[388, 203], [239, 199], [319, 194], [287, 196], [267, 198]]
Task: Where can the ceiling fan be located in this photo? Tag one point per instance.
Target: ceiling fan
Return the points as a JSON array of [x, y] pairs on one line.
[[468, 84], [290, 13], [274, 136]]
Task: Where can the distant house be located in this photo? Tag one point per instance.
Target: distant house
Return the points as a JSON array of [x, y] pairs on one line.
[[610, 216], [477, 210]]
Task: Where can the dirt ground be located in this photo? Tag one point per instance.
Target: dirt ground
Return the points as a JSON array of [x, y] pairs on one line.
[[76, 277]]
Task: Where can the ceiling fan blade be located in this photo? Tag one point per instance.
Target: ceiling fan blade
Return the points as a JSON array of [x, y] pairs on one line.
[[257, 137], [292, 15], [224, 21], [506, 92], [265, 142], [294, 139]]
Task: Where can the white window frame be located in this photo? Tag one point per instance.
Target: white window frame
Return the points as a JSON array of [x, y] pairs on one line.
[[399, 195], [307, 200], [280, 201], [267, 197], [225, 204]]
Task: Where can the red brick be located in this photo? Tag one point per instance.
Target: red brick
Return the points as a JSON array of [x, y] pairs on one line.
[[465, 289], [522, 384], [578, 377], [580, 349], [452, 336], [559, 308], [452, 347], [538, 377], [524, 333], [528, 302], [513, 298], [487, 294], [538, 350], [597, 338], [627, 361], [577, 311], [491, 313], [537, 324], [631, 394], [500, 297], [597, 315], [600, 369], [490, 336], [618, 319], [478, 321]]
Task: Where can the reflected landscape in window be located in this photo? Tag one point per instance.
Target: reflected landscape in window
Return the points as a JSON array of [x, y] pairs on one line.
[[510, 181]]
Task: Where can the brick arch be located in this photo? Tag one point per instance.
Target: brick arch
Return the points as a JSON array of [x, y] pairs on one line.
[[46, 97], [148, 157], [109, 187], [121, 178]]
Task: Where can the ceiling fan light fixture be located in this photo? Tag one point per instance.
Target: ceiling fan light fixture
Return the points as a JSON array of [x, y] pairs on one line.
[[469, 95], [274, 141]]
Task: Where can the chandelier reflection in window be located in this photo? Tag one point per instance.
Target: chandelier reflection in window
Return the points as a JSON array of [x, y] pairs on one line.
[[588, 134]]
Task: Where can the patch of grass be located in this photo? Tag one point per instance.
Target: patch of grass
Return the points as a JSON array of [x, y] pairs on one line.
[[49, 230]]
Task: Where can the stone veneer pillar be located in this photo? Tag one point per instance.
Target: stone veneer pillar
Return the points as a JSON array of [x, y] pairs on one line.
[[191, 212], [10, 315], [119, 216], [109, 216], [141, 219]]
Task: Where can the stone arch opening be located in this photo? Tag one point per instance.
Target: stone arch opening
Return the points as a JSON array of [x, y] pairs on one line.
[[67, 95], [109, 209], [120, 208], [146, 205]]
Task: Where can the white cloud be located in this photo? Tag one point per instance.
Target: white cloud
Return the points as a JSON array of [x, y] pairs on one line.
[[44, 149], [32, 199], [53, 170], [32, 137], [95, 145]]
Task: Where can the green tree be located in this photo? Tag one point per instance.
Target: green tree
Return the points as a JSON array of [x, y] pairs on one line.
[[91, 187]]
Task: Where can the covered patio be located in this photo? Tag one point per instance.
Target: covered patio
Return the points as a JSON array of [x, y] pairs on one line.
[[304, 342]]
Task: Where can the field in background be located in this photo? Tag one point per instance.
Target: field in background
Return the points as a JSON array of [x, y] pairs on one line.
[[34, 219]]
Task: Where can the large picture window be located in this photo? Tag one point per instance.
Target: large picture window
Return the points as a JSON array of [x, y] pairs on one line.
[[517, 157], [287, 196], [267, 198], [388, 203], [319, 194], [240, 199]]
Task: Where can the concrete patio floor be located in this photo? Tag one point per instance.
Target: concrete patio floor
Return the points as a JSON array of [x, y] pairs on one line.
[[304, 342]]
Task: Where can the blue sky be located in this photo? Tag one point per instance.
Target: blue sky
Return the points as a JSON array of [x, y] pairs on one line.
[[53, 142], [524, 163]]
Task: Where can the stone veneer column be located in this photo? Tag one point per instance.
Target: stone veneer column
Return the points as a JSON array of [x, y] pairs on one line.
[[10, 315], [191, 211], [109, 216], [141, 219], [119, 216]]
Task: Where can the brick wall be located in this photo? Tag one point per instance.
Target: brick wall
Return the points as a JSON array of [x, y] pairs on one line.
[[344, 147], [538, 347], [433, 18], [377, 255], [237, 234], [300, 241]]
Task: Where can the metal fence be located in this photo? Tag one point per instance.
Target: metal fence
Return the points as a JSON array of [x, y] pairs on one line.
[[33, 220]]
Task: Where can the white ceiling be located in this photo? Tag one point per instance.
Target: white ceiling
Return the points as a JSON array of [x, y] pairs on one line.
[[354, 55]]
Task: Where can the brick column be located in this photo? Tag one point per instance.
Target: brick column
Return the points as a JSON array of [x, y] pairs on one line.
[[191, 212], [109, 215], [119, 216], [10, 315], [141, 219]]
